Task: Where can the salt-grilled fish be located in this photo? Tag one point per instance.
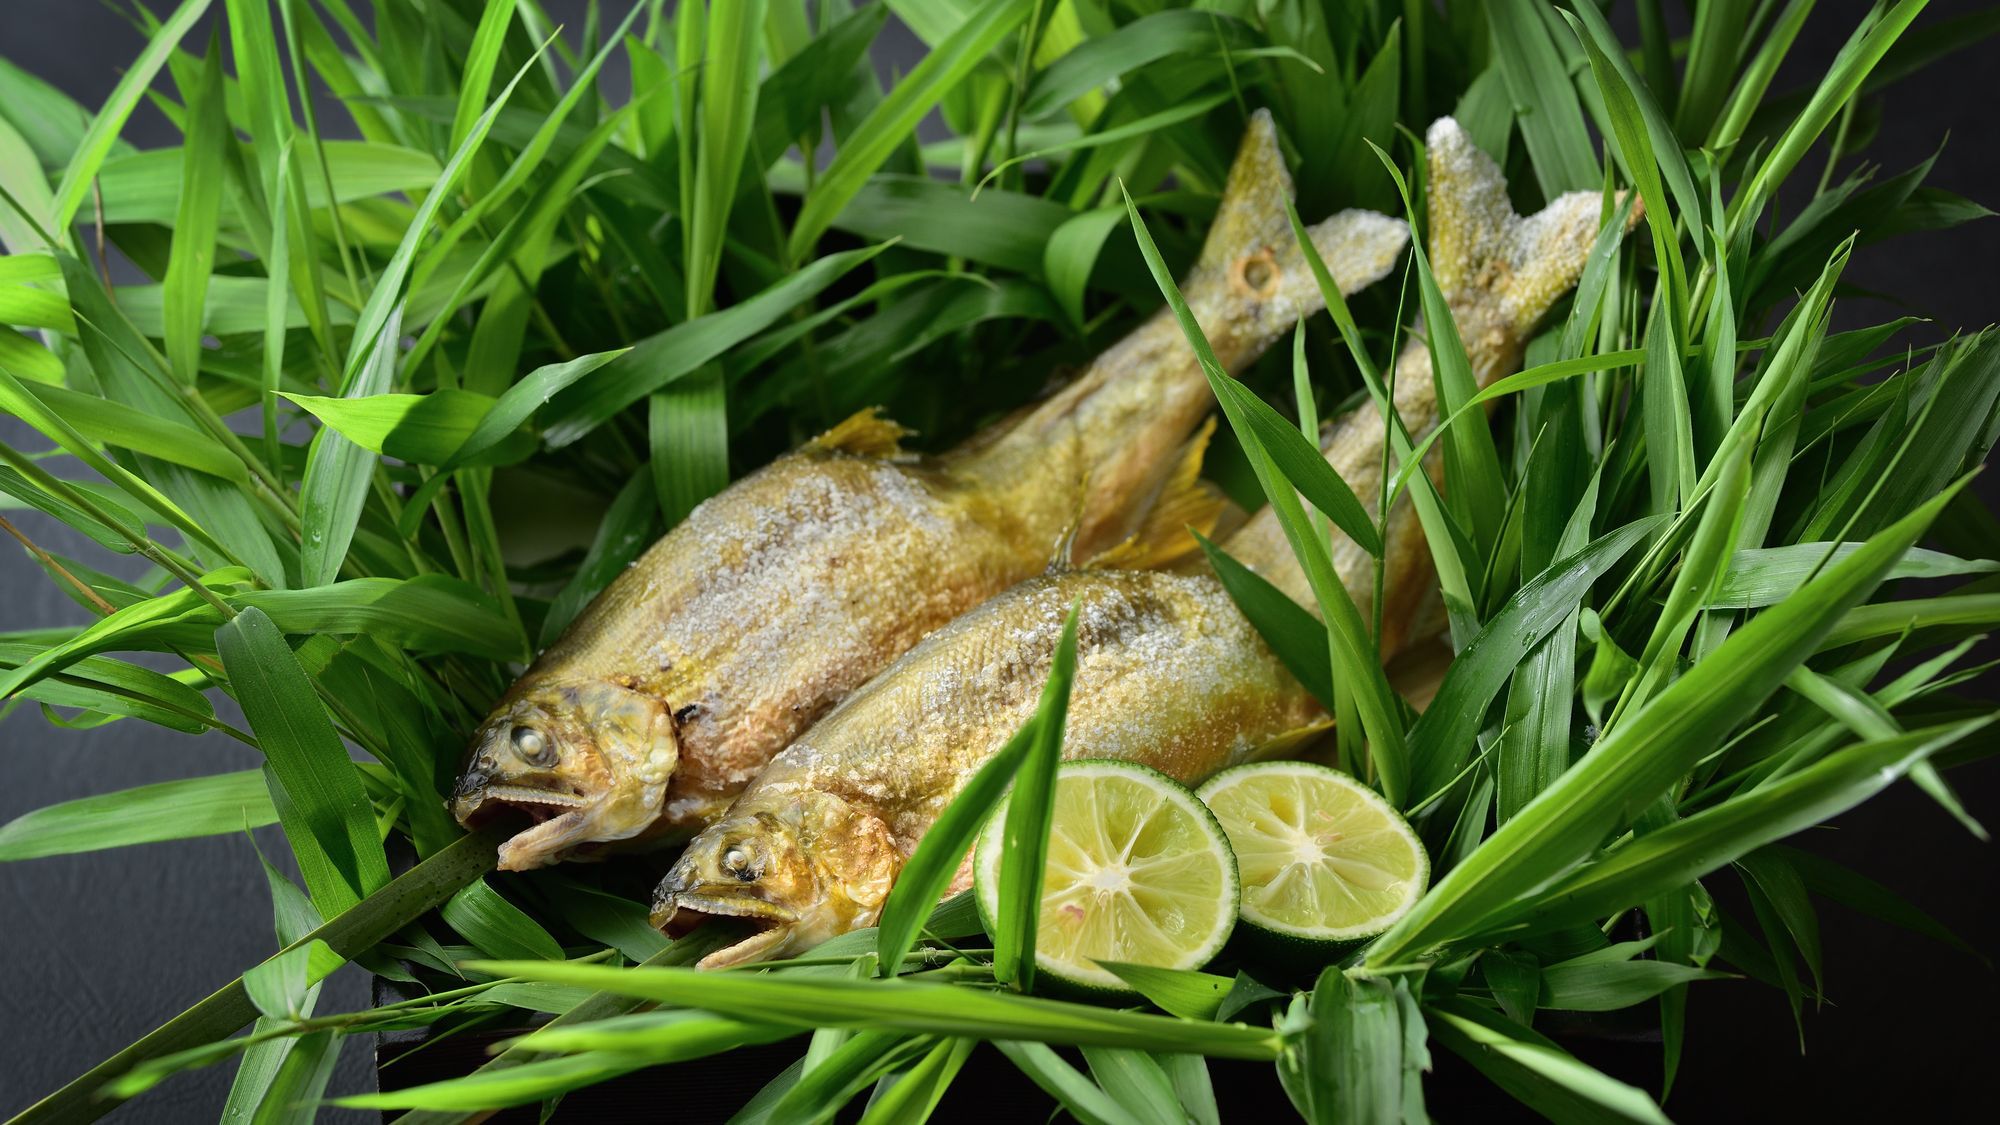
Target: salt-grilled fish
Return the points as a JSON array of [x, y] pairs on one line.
[[783, 593], [1168, 672]]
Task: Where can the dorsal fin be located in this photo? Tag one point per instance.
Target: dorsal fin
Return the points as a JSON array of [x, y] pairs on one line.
[[1185, 501], [865, 433]]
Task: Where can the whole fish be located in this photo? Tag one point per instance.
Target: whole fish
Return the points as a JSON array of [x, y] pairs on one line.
[[1168, 672], [780, 595]]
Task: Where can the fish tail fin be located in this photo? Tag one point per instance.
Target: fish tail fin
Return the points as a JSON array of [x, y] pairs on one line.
[[1481, 251], [1184, 501], [865, 433], [1251, 265]]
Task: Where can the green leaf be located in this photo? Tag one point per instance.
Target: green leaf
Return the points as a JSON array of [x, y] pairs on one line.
[[892, 121], [1182, 992], [1442, 741], [430, 613], [912, 1096], [110, 121], [728, 78], [690, 442], [937, 857], [1347, 1064], [1761, 576], [1083, 1098], [496, 926], [1690, 848], [1134, 1081], [664, 357], [900, 1005], [320, 801], [999, 228], [338, 471], [1295, 636], [196, 219], [1548, 112], [427, 429], [1071, 254], [1637, 759], [1025, 842], [1607, 987], [167, 810], [115, 424], [1534, 1070]]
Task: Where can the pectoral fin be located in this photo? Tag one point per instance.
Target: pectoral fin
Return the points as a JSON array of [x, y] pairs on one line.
[[1185, 501], [1291, 742]]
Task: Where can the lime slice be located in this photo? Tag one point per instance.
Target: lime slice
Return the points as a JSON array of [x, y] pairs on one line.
[[1138, 871], [1323, 858]]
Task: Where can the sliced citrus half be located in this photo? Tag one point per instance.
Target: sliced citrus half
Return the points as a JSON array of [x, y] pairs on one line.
[[1323, 857], [1138, 871]]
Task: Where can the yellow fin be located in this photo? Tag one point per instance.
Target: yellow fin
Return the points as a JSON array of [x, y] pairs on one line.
[[1288, 744], [865, 433], [1185, 501]]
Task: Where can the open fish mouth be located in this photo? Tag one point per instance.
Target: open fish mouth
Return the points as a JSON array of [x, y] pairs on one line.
[[770, 924], [556, 819]]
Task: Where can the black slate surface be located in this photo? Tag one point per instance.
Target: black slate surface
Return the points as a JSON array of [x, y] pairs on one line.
[[101, 948]]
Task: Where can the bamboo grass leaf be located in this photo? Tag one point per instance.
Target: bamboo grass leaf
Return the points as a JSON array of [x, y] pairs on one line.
[[1692, 847], [1030, 807], [108, 122], [863, 151], [689, 428], [167, 810], [1632, 765], [674, 353], [898, 1005], [1442, 740], [331, 822], [1549, 115], [335, 484], [1182, 992], [728, 109], [1535, 1070], [1294, 636], [1135, 1081], [1347, 1063], [1078, 1094], [195, 222], [496, 926], [913, 1096]]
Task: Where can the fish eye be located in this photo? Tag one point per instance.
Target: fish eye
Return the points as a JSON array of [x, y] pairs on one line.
[[736, 864], [533, 746]]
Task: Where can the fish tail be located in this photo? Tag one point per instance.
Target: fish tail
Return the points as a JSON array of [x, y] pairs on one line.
[[1252, 281], [1486, 258]]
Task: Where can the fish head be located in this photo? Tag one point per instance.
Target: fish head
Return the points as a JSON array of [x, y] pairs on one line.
[[587, 762], [803, 868]]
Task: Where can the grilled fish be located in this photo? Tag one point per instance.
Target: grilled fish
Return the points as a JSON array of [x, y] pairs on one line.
[[1168, 672], [783, 593]]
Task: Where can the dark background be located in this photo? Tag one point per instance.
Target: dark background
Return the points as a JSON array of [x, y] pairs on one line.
[[101, 948]]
